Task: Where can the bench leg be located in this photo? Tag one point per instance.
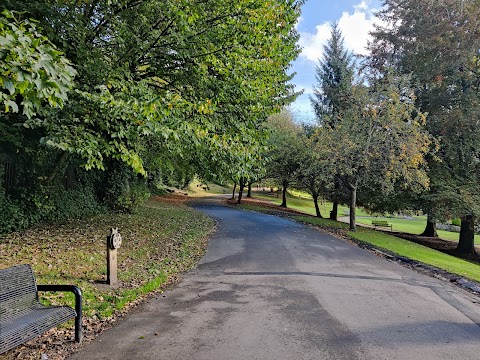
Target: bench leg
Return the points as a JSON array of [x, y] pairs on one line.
[[78, 305], [78, 318]]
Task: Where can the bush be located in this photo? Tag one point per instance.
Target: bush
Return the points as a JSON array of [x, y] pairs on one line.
[[457, 222], [13, 216], [75, 204], [131, 199]]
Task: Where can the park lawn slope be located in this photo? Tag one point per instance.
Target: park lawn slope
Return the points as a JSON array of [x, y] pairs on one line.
[[159, 241]]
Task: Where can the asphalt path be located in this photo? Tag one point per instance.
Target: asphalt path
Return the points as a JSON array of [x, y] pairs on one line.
[[270, 288]]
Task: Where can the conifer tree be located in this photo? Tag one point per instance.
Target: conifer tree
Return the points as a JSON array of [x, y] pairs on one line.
[[332, 94]]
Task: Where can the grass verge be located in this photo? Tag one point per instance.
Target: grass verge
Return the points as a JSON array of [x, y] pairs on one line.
[[159, 241], [413, 225]]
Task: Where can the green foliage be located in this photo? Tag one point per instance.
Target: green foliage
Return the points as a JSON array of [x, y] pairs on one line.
[[193, 83], [457, 222], [131, 199], [75, 204], [379, 142], [285, 144], [33, 72], [335, 76], [13, 216], [172, 88], [440, 52]]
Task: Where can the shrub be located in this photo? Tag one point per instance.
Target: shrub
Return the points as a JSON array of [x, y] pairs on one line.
[[75, 204], [457, 222], [131, 199], [13, 216]]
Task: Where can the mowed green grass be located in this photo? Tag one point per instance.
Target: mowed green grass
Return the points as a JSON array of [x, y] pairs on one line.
[[306, 205], [414, 226], [301, 202], [418, 252]]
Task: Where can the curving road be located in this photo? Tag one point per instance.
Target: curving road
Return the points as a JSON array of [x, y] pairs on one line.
[[269, 288]]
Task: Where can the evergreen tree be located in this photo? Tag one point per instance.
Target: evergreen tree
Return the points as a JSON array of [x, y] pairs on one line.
[[440, 50], [332, 94], [334, 75]]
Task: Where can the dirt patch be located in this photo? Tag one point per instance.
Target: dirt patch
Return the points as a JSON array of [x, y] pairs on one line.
[[175, 198]]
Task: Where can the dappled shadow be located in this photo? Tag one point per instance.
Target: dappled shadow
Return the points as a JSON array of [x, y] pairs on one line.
[[433, 332]]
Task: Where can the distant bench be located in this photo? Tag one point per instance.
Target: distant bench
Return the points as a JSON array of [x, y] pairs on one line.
[[22, 316], [381, 223]]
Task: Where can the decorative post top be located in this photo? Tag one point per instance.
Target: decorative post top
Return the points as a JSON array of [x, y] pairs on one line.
[[114, 239]]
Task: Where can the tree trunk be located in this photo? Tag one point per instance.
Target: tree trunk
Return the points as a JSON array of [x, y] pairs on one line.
[[353, 204], [233, 193], [466, 239], [249, 192], [240, 191], [284, 194], [58, 166], [9, 178], [334, 212], [430, 228], [317, 209]]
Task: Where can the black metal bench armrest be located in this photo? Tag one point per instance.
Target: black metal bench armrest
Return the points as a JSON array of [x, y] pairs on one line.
[[78, 304]]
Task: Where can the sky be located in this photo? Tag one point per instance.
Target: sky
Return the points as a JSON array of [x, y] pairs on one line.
[[355, 19]]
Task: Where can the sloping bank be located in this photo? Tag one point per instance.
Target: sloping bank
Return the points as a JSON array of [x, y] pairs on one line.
[[163, 239]]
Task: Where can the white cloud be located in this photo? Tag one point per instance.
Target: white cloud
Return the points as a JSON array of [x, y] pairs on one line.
[[312, 44], [362, 6], [306, 89], [355, 28], [299, 20]]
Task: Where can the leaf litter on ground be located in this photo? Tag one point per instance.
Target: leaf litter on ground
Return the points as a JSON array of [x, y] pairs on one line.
[[163, 239]]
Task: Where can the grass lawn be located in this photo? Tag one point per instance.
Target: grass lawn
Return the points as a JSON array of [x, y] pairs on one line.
[[305, 204], [404, 248], [199, 189], [160, 240], [300, 201], [414, 226], [419, 252]]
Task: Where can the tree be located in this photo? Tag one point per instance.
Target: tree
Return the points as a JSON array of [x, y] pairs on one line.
[[285, 144], [195, 76], [161, 86], [441, 52], [36, 77], [332, 94], [378, 142], [314, 174]]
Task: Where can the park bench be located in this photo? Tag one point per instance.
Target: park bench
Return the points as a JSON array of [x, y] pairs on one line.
[[22, 316], [381, 223]]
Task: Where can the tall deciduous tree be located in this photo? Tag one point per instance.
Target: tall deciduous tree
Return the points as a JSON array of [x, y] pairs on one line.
[[437, 42], [378, 141], [286, 146], [333, 91], [192, 75], [314, 175]]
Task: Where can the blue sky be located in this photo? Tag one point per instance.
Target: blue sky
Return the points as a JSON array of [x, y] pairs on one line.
[[355, 19]]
